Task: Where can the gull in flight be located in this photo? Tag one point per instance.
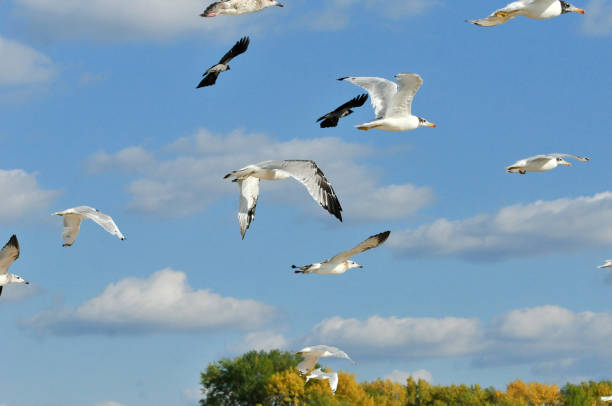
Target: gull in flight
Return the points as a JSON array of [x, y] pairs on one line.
[[331, 118], [8, 255], [72, 222], [607, 264], [312, 354], [236, 7], [340, 263], [535, 9], [542, 163], [306, 172], [392, 103], [331, 376], [210, 76]]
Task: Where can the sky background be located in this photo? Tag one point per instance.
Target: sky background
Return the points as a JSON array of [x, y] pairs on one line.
[[487, 276]]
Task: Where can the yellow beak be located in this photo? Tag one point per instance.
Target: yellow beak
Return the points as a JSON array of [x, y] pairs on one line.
[[432, 125], [566, 163], [579, 10]]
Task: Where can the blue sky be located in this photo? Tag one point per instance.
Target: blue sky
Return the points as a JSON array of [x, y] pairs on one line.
[[487, 277]]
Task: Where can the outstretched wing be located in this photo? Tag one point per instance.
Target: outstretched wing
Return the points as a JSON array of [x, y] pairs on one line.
[[247, 202], [381, 92], [309, 362], [331, 118], [578, 158], [208, 80], [409, 84], [72, 224], [8, 254], [354, 102], [103, 220], [371, 242], [239, 47], [503, 14], [309, 174]]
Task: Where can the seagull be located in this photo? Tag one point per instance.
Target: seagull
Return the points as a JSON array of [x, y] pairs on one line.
[[210, 76], [331, 376], [392, 104], [542, 163], [607, 264], [8, 255], [535, 9], [312, 354], [236, 7], [306, 172], [72, 222], [331, 118], [340, 263]]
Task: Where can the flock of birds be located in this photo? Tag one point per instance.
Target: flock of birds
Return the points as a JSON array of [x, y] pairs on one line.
[[392, 103]]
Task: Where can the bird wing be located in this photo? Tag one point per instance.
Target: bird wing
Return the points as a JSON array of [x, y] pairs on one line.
[[538, 159], [208, 80], [103, 220], [331, 118], [333, 381], [409, 84], [247, 202], [354, 102], [309, 362], [578, 158], [8, 254], [72, 224], [381, 92], [309, 174], [329, 122], [504, 14], [239, 47], [371, 242]]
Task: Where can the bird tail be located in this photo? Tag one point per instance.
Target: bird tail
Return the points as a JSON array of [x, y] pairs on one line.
[[367, 126], [301, 269]]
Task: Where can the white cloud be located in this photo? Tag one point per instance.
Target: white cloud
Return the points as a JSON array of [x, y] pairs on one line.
[[19, 292], [402, 376], [164, 302], [22, 65], [260, 341], [598, 18], [21, 195], [336, 14], [134, 19], [192, 179], [539, 228], [400, 337], [131, 159]]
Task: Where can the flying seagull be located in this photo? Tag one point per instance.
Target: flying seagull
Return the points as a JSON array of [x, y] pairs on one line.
[[331, 118], [8, 255], [541, 163], [535, 9], [72, 222], [306, 172], [340, 263], [392, 103], [210, 76], [236, 7], [607, 264], [312, 354], [331, 376]]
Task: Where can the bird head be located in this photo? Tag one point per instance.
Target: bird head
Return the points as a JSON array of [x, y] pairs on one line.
[[561, 161], [424, 123], [353, 264], [18, 279], [275, 3], [569, 8]]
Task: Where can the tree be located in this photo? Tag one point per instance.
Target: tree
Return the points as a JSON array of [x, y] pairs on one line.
[[243, 380]]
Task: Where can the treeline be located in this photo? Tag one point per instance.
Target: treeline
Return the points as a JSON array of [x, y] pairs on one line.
[[271, 379]]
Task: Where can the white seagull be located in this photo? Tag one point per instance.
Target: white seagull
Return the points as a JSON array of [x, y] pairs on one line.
[[8, 255], [312, 354], [331, 376], [535, 9], [392, 104], [340, 263], [236, 7], [74, 216], [306, 172], [541, 163], [607, 264]]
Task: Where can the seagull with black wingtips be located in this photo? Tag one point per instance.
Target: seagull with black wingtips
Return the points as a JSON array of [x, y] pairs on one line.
[[210, 76], [236, 7], [534, 9], [8, 255]]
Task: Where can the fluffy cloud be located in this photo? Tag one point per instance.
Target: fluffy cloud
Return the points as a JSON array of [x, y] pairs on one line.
[[337, 13], [192, 178], [260, 341], [21, 195], [22, 65], [598, 18], [531, 229], [400, 337], [161, 303], [120, 20], [402, 376]]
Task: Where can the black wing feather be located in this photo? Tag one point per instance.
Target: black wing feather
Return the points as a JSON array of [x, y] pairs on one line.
[[354, 102], [239, 47], [209, 79]]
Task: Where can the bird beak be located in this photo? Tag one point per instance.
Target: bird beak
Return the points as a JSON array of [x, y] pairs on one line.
[[27, 283], [432, 125], [566, 163], [361, 266], [578, 10], [282, 5]]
